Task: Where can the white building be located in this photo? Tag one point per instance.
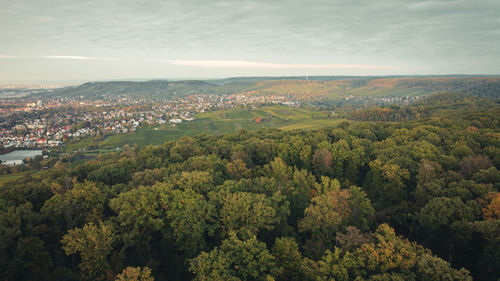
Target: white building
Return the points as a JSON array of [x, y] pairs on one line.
[[176, 121]]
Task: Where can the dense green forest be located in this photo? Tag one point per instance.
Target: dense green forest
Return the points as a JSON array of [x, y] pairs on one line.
[[417, 198]]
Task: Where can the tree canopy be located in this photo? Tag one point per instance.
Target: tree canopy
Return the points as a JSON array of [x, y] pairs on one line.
[[399, 200]]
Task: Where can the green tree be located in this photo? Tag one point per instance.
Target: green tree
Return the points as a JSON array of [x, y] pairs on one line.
[[430, 182], [386, 183], [199, 181], [295, 152], [141, 212], [327, 185], [330, 213], [190, 219], [235, 259], [279, 170], [362, 213], [299, 193], [288, 259], [238, 169], [94, 243], [84, 203], [22, 255], [135, 274], [247, 213], [387, 257], [438, 219], [443, 211], [120, 171], [149, 176], [32, 260], [185, 148]]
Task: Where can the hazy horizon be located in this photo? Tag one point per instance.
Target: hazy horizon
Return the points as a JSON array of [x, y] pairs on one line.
[[65, 83], [54, 40]]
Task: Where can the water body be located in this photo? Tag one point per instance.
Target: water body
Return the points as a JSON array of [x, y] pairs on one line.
[[16, 157]]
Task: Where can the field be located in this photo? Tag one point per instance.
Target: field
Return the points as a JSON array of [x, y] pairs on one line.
[[15, 176], [225, 121], [10, 177]]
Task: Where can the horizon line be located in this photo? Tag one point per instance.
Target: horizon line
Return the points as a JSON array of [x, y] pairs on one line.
[[70, 82]]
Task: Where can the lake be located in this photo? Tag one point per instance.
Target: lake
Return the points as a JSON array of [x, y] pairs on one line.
[[16, 157]]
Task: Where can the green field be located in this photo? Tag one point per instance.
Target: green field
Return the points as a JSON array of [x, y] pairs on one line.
[[225, 121], [15, 176], [10, 177]]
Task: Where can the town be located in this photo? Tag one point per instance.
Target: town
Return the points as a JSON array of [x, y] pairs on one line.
[[32, 121]]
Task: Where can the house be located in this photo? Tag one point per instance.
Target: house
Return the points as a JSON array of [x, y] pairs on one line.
[[53, 143], [41, 141]]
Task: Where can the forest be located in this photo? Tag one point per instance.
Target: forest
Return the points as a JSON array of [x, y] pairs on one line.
[[416, 197]]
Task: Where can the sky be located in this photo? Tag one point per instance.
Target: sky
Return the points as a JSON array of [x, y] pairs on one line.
[[67, 40]]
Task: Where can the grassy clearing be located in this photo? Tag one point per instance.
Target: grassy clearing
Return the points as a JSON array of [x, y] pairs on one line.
[[313, 124], [10, 177], [82, 143], [142, 137]]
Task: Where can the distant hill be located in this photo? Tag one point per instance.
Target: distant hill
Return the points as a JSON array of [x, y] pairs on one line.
[[325, 78], [315, 88], [338, 89], [275, 78], [153, 89]]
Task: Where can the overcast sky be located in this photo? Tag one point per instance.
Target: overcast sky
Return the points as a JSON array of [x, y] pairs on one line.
[[57, 40]]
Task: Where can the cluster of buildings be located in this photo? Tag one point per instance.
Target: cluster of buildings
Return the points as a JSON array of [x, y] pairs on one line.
[[32, 134], [29, 123], [403, 100]]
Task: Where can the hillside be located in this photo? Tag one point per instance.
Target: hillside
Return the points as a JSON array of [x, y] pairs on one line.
[[148, 89], [315, 89], [338, 89]]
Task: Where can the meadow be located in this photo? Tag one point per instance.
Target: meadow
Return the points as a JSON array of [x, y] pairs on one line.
[[5, 178], [9, 177], [222, 122]]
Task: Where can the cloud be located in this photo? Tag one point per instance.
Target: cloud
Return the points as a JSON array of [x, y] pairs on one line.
[[214, 63], [252, 64], [360, 37], [68, 57], [48, 57], [63, 57]]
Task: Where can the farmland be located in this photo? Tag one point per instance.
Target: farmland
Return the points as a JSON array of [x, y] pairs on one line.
[[224, 121]]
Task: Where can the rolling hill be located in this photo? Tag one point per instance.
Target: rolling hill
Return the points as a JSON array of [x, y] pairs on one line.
[[337, 89], [317, 88], [151, 89]]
